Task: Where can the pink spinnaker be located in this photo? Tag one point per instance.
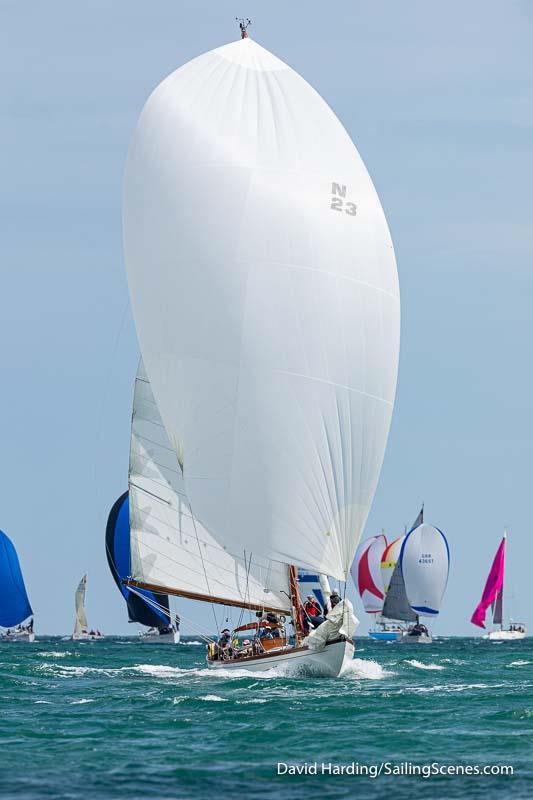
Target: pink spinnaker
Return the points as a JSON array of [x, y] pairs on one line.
[[493, 586]]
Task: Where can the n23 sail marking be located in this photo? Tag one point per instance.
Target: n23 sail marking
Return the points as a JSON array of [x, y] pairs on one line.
[[339, 201]]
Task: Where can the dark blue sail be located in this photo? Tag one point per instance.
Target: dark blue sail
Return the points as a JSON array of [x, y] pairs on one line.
[[118, 557], [14, 604]]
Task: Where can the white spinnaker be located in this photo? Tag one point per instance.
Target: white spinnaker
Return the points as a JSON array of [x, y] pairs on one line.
[[425, 562], [266, 301], [169, 548], [81, 617]]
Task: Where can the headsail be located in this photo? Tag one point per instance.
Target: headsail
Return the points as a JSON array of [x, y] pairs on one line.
[[266, 302], [14, 604], [425, 563], [81, 623], [367, 574], [396, 605], [144, 607], [493, 586], [170, 550]]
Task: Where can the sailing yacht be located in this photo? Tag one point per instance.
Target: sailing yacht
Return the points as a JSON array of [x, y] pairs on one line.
[[493, 596], [418, 581], [16, 615], [144, 607], [81, 626], [265, 296]]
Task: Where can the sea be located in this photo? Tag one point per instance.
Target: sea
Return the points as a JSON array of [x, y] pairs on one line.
[[122, 719]]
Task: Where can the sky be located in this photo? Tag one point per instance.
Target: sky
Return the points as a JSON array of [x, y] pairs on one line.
[[437, 98]]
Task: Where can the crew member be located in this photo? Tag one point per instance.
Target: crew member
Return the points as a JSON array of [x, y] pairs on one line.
[[313, 611]]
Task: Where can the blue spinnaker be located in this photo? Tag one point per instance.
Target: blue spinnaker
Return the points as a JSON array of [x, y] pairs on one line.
[[144, 607], [14, 604]]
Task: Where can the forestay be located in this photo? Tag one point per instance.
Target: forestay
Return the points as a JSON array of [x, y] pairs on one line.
[[170, 549], [266, 301]]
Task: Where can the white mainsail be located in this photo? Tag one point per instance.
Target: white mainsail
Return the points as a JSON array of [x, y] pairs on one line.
[[171, 550], [266, 302], [81, 618]]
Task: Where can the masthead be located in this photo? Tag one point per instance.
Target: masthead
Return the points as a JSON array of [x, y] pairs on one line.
[[244, 22]]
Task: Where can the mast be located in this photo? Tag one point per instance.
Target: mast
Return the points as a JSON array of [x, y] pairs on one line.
[[296, 604], [244, 24], [497, 608]]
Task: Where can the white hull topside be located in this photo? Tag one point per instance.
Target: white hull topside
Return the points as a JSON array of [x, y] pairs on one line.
[[23, 636], [160, 638], [502, 636], [328, 661], [87, 637]]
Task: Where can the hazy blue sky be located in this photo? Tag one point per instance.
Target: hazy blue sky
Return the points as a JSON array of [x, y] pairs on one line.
[[437, 98]]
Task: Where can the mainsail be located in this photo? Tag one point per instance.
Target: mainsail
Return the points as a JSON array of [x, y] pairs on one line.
[[170, 550], [81, 623], [493, 587], [266, 302], [396, 605], [14, 604], [144, 607], [497, 609], [367, 574]]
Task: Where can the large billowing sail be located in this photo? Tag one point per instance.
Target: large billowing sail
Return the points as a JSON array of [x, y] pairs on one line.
[[14, 604], [367, 574], [266, 302], [144, 607], [81, 623], [170, 549], [493, 586], [425, 563]]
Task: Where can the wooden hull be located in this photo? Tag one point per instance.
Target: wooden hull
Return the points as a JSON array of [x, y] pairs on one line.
[[328, 661]]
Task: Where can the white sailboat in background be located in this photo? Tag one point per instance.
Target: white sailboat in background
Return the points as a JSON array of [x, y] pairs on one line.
[[493, 596], [418, 581], [81, 626], [265, 296]]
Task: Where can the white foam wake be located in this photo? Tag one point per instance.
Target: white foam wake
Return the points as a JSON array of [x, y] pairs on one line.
[[366, 669], [419, 665]]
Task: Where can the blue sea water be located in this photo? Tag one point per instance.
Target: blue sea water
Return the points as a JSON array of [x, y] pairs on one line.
[[119, 719]]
